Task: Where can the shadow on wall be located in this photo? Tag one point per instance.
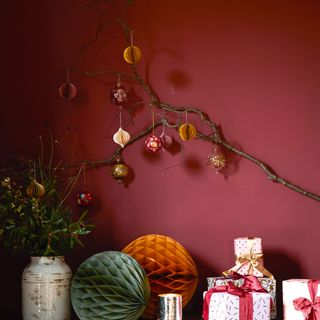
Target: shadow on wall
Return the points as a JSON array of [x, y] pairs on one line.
[[194, 307], [283, 267]]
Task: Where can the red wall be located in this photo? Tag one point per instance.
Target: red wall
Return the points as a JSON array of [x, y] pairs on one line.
[[252, 66]]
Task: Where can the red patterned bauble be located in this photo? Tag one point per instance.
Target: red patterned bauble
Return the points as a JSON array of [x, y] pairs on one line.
[[153, 143], [118, 95], [84, 199]]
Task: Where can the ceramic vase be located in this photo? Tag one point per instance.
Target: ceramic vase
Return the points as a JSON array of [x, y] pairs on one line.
[[46, 289]]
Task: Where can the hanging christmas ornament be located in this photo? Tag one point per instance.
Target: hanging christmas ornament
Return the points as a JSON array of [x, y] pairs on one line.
[[132, 54], [67, 90], [217, 159], [119, 171], [153, 143], [118, 94], [166, 140], [121, 137], [84, 199], [187, 131], [35, 189]]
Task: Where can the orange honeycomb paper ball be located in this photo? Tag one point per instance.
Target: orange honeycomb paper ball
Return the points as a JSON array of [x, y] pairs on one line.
[[169, 268]]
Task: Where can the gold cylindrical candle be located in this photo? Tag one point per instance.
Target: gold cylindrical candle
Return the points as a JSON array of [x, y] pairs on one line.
[[170, 306]]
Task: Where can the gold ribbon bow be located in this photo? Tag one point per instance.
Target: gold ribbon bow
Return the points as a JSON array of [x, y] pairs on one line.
[[252, 259]]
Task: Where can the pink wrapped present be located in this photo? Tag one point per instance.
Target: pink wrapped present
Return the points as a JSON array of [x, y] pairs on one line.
[[249, 258], [301, 299], [230, 302]]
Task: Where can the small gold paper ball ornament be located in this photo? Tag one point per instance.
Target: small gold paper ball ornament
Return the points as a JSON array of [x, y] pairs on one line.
[[217, 159], [187, 131], [119, 171], [35, 189], [121, 137], [132, 55]]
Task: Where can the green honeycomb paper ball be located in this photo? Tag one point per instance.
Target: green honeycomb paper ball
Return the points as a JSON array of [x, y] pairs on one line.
[[110, 285]]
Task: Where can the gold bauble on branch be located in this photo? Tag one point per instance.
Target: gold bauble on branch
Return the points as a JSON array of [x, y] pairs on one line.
[[132, 55], [35, 189], [119, 171], [187, 131]]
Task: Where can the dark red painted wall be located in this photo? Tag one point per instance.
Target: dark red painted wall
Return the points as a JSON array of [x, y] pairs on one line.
[[253, 66]]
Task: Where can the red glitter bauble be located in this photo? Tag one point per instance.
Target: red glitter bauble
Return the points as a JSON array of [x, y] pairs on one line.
[[84, 199], [118, 95], [153, 143]]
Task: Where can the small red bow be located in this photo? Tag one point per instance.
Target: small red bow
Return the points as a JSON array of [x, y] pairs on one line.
[[251, 284]]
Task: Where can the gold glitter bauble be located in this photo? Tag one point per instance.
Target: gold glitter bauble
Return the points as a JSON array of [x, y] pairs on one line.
[[119, 171]]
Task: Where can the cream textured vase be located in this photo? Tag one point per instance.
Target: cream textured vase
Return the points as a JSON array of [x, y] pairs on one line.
[[46, 289]]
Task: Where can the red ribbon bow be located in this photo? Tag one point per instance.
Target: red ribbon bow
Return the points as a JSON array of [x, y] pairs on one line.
[[251, 284], [309, 309]]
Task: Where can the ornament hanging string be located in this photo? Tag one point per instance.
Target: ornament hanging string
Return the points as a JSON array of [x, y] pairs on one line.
[[133, 58], [120, 116], [152, 119], [68, 75], [84, 175]]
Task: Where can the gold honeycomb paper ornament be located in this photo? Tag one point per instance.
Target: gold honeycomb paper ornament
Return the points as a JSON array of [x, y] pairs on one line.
[[169, 268]]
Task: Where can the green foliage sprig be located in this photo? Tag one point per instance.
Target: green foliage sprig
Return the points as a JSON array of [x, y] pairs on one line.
[[37, 225]]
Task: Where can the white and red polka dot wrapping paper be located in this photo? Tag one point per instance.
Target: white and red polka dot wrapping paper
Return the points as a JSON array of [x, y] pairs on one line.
[[245, 245]]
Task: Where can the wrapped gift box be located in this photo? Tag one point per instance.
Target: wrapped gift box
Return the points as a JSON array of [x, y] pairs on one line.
[[293, 290], [268, 284], [226, 306], [246, 248]]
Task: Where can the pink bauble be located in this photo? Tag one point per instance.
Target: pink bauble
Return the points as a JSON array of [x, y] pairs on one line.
[[84, 199], [153, 143]]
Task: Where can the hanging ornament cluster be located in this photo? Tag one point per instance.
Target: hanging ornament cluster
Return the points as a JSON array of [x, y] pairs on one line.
[[119, 171], [187, 131], [84, 198], [119, 97], [217, 160], [67, 90], [132, 54], [35, 189]]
